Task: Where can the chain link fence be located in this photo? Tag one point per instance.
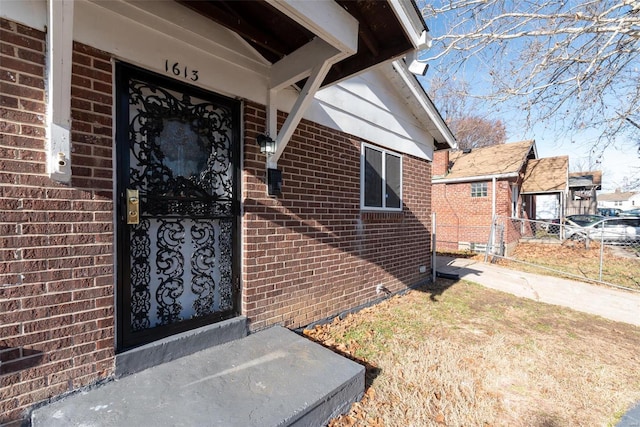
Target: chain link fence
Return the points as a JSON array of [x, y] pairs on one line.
[[606, 252]]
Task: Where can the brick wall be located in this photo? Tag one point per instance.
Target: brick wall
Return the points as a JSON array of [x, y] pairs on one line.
[[440, 162], [56, 241], [461, 218], [308, 254], [311, 253]]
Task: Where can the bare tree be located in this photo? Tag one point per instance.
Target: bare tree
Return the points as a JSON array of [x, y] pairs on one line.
[[473, 125], [571, 63], [474, 132]]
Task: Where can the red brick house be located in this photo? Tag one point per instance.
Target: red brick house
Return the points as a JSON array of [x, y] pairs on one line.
[[470, 188], [136, 206]]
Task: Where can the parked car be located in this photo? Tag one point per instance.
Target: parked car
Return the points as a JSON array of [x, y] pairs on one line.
[[583, 220], [609, 211], [631, 212], [614, 230]]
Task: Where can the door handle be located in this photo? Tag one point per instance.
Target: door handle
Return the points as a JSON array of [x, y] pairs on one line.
[[133, 207]]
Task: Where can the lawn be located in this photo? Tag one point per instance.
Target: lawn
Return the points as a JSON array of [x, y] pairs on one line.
[[459, 354]]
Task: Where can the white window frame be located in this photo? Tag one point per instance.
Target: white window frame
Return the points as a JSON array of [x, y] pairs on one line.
[[484, 189], [384, 153]]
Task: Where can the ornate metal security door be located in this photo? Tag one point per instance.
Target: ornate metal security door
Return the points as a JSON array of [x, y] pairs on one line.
[[178, 159]]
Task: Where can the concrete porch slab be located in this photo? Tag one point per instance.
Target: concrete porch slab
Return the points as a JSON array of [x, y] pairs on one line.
[[272, 378]]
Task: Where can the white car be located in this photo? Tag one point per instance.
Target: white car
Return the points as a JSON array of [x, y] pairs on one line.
[[616, 229]]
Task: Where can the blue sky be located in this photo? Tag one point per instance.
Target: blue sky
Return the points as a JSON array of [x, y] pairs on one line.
[[618, 161]]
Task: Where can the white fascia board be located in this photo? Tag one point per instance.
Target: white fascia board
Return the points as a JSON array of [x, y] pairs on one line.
[[220, 69], [473, 178], [298, 65], [368, 107], [32, 13], [327, 19], [410, 82], [411, 21]]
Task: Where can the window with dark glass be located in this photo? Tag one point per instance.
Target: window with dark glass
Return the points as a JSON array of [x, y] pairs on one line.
[[381, 179]]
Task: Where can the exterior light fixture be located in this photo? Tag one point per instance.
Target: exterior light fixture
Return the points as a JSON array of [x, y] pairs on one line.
[[267, 145]]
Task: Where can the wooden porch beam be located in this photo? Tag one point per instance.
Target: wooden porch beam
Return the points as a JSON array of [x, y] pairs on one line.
[[298, 65], [59, 54], [304, 99]]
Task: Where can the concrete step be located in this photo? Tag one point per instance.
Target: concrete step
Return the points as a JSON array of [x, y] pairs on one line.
[[272, 378], [180, 345]]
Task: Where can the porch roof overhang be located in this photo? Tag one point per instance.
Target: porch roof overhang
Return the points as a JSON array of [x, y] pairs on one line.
[[305, 44], [384, 30], [314, 44]]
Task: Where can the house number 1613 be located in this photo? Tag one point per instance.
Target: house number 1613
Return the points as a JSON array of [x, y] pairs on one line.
[[180, 70]]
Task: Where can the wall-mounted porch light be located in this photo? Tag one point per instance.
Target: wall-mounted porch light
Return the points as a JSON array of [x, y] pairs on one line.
[[274, 176], [267, 145]]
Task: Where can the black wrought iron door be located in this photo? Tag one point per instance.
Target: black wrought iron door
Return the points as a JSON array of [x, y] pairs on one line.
[[178, 160]]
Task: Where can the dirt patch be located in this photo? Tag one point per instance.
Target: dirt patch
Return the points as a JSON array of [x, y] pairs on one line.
[[465, 355]]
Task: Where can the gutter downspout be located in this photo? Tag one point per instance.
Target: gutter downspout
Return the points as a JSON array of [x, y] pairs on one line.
[[493, 213]]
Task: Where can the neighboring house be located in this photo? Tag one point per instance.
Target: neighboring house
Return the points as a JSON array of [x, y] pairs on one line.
[[623, 200], [472, 187], [583, 187], [136, 203], [546, 180]]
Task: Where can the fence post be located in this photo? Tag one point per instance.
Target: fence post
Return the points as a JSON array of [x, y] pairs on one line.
[[433, 247], [601, 249], [492, 239]]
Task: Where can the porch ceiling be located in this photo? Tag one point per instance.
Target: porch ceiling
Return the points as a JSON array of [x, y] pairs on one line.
[[274, 35]]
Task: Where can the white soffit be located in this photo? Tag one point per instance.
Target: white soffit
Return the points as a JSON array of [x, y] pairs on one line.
[[226, 65], [181, 23]]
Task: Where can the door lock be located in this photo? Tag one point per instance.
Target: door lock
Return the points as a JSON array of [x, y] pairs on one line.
[[133, 207]]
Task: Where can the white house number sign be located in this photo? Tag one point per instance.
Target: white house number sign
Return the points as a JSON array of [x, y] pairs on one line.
[[180, 70]]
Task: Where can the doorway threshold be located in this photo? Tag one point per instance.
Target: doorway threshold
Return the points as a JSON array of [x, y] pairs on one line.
[[180, 345]]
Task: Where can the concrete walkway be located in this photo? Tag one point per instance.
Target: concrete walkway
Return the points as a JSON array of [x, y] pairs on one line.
[[272, 378], [631, 418], [613, 304]]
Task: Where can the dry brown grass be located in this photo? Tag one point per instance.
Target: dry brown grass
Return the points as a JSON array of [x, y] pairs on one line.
[[621, 266], [463, 355]]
